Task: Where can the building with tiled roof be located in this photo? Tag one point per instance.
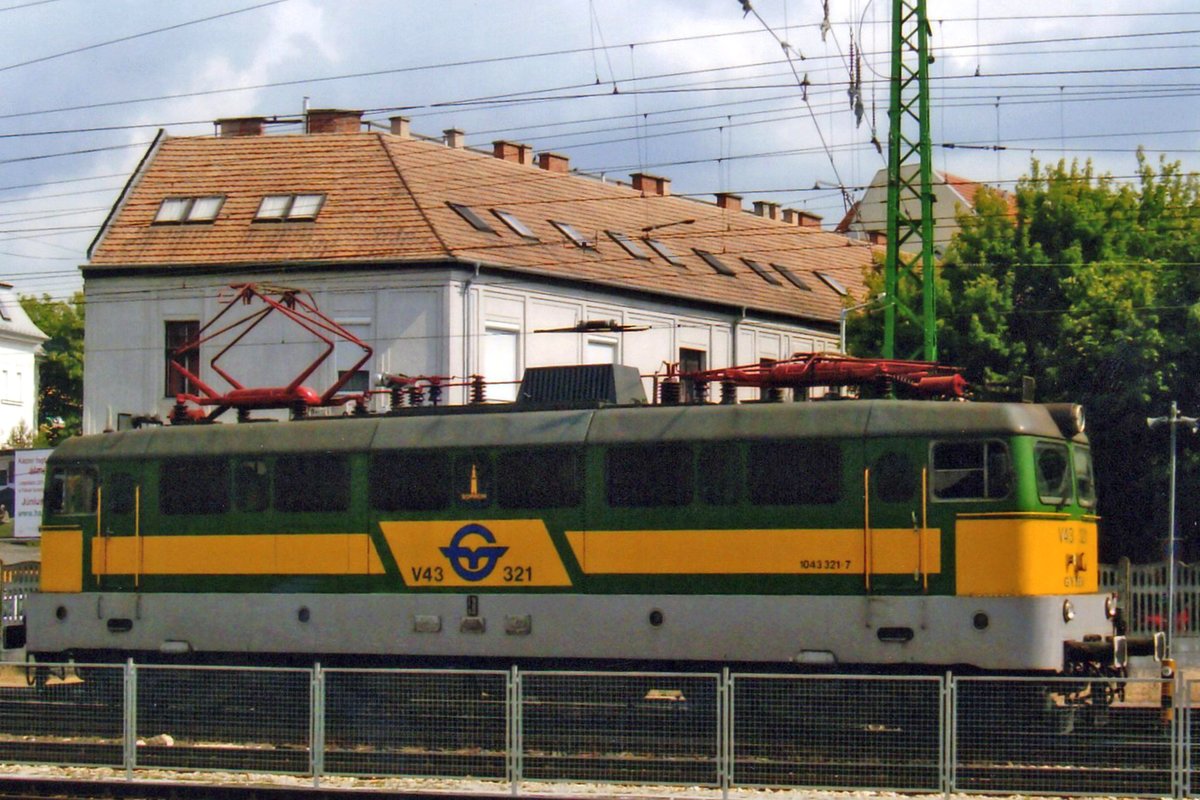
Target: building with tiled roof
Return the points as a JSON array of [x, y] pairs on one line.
[[447, 260], [952, 195], [20, 344]]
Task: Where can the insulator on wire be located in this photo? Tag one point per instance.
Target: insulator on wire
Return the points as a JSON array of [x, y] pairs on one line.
[[478, 390], [728, 393], [669, 393]]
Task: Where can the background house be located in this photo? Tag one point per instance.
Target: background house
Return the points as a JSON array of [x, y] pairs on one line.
[[867, 218], [448, 261], [20, 343]]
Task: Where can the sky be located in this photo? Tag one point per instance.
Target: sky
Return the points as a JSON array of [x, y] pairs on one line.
[[703, 92]]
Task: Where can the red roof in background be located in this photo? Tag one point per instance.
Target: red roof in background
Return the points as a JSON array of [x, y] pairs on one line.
[[386, 203]]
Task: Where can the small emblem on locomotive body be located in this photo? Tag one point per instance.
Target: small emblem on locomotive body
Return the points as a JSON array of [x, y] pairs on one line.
[[473, 563]]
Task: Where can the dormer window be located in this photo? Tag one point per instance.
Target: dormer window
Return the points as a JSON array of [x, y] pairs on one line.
[[832, 283], [515, 224], [761, 271], [577, 238], [179, 210], [629, 245], [289, 207], [719, 266], [792, 278], [666, 253], [474, 220]]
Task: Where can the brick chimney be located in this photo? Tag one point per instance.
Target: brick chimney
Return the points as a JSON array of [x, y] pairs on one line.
[[240, 126], [766, 209], [651, 184], [805, 219], [401, 126], [333, 120], [553, 162], [729, 201], [512, 151], [454, 138]]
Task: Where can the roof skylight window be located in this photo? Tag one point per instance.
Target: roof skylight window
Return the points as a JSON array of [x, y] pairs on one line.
[[515, 224], [629, 245], [577, 238], [832, 283], [666, 253], [761, 271], [189, 209], [289, 207], [792, 278], [474, 220], [717, 264]]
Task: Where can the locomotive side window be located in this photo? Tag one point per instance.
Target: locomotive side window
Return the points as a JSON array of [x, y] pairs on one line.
[[646, 475], [410, 480], [1053, 472], [251, 485], [193, 486], [795, 473], [1085, 481], [895, 478], [539, 478], [719, 473], [71, 490], [119, 493], [971, 471], [312, 483]]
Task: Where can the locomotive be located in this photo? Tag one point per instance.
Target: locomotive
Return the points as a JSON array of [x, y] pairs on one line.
[[850, 534]]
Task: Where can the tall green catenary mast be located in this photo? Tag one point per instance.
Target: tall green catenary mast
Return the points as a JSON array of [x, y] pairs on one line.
[[910, 181]]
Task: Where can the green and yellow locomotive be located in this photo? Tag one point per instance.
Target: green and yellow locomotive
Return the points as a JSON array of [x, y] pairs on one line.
[[874, 534]]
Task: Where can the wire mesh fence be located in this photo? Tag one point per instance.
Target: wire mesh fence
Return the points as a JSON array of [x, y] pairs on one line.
[[416, 723], [223, 718], [837, 732], [63, 715], [1062, 736], [969, 734], [643, 728]]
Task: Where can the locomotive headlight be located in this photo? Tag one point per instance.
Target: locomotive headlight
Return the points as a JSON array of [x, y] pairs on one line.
[[1068, 611], [1110, 606]]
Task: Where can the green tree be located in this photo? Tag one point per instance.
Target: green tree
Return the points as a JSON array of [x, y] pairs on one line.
[[60, 372], [1088, 285]]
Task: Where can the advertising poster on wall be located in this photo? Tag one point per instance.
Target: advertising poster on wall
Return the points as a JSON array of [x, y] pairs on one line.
[[29, 473]]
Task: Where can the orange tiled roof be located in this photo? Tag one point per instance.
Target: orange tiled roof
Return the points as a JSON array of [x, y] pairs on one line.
[[386, 202]]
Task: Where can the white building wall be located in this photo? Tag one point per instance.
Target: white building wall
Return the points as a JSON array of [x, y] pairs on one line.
[[18, 386], [419, 322]]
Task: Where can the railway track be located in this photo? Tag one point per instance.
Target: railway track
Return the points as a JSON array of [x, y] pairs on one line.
[[44, 788]]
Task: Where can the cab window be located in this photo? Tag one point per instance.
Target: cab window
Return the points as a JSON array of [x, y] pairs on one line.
[[71, 490], [1085, 480], [970, 470], [1053, 472]]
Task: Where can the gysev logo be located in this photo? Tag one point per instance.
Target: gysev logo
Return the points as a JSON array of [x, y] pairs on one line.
[[473, 563]]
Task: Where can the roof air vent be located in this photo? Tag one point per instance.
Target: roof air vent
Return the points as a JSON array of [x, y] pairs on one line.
[[584, 384]]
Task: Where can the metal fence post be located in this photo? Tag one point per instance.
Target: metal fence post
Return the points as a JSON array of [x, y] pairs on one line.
[[1184, 742], [316, 725], [514, 732], [725, 732], [129, 732], [950, 733]]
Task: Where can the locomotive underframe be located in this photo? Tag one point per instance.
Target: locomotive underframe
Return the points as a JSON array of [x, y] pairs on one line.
[[1022, 634]]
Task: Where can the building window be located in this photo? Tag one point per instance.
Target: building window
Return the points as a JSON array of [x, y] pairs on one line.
[[719, 266], [666, 253], [792, 278], [347, 354], [629, 245], [568, 230], [761, 271], [515, 224], [691, 361], [500, 362], [189, 209], [179, 333], [289, 207], [832, 283], [474, 220]]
